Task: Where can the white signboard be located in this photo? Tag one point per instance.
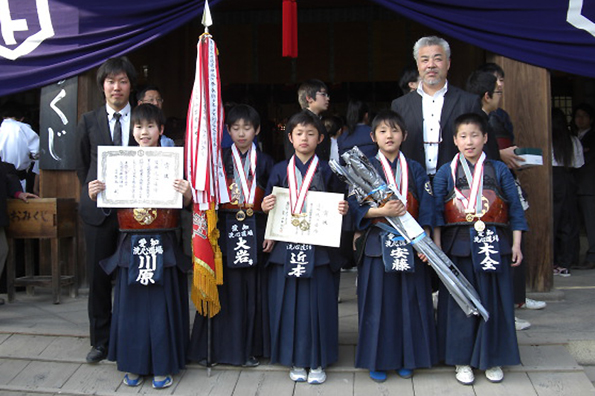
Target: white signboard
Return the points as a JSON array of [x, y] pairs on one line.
[[140, 177], [319, 224]]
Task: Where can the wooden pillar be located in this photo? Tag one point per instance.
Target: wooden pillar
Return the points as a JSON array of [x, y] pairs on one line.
[[527, 98]]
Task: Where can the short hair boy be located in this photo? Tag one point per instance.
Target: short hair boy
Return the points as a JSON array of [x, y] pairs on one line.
[[485, 85], [313, 95]]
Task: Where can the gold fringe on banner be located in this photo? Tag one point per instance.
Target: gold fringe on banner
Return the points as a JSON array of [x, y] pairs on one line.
[[204, 294]]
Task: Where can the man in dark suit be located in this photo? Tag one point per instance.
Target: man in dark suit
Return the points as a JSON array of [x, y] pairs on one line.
[[105, 126], [429, 112]]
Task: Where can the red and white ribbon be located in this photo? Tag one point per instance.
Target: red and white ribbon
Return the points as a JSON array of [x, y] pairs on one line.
[[474, 184], [403, 185], [249, 192], [298, 198]]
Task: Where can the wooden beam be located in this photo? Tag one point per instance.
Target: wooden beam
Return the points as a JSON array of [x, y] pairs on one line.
[[527, 98]]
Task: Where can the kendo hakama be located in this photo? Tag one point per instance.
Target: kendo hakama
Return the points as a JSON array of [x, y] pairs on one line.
[[149, 329], [240, 330], [470, 340], [395, 312], [304, 318]]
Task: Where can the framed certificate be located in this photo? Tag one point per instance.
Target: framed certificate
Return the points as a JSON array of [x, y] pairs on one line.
[[139, 177], [319, 224]]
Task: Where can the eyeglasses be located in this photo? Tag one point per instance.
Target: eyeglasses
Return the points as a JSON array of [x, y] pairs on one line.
[[324, 94]]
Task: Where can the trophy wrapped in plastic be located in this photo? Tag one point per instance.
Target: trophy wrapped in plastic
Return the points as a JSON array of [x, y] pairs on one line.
[[372, 190]]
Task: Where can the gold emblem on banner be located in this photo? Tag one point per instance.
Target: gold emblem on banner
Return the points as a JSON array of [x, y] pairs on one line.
[[144, 216]]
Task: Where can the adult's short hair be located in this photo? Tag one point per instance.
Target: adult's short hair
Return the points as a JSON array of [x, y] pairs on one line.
[[243, 112], [480, 82], [141, 94], [493, 68], [308, 89], [115, 66], [430, 41]]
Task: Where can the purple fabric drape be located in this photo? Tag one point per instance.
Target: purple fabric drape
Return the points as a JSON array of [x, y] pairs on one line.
[[44, 41], [555, 34]]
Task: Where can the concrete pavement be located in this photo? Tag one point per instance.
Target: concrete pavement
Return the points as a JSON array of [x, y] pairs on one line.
[[43, 348]]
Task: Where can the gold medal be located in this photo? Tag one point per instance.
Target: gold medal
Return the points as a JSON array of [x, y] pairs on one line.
[[479, 226], [249, 210], [295, 222], [469, 217], [304, 225], [241, 215]]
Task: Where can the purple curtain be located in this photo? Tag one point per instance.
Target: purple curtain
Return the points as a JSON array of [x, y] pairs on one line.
[[554, 34], [44, 41]]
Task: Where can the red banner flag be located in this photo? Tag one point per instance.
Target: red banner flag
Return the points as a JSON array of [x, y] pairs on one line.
[[290, 32]]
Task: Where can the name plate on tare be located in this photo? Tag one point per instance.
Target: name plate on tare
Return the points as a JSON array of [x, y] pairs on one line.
[[139, 177], [319, 224]]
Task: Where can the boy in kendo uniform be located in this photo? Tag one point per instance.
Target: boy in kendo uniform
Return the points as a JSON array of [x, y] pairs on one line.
[[240, 329]]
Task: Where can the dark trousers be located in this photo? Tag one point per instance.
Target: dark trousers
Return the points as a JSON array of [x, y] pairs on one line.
[[566, 224], [101, 243], [587, 206]]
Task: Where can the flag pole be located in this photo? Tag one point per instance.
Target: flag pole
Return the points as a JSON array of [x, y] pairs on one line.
[[206, 22]]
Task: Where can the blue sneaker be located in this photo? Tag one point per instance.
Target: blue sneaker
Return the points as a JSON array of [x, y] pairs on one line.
[[405, 373], [132, 379], [162, 382], [378, 376]]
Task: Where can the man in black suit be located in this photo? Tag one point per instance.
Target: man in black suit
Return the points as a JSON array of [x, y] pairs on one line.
[[429, 112], [105, 126]]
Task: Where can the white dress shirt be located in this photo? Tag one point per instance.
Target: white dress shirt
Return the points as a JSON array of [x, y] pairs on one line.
[[432, 110]]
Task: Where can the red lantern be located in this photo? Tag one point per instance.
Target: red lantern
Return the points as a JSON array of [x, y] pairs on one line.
[[290, 39]]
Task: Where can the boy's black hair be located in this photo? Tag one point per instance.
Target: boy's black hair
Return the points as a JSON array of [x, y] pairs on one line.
[[491, 68], [471, 118], [410, 74], [480, 82], [392, 118], [304, 118], [587, 108], [115, 66], [243, 112], [308, 89], [147, 112], [12, 109], [141, 94], [356, 110]]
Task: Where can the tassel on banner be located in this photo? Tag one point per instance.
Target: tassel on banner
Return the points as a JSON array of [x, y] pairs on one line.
[[290, 33]]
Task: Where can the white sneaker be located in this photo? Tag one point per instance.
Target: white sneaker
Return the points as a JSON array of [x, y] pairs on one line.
[[316, 376], [464, 374], [298, 374], [521, 324], [532, 304], [494, 374]]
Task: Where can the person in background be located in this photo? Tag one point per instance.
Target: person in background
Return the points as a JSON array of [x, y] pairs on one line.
[[567, 156], [409, 80], [334, 127], [583, 118], [150, 94], [19, 144], [357, 130]]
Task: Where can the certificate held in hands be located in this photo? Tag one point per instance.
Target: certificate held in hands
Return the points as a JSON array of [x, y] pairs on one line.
[[139, 177], [318, 224]]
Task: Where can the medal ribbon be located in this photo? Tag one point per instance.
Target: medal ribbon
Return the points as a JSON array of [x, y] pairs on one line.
[[298, 198], [473, 205], [248, 192], [402, 174]]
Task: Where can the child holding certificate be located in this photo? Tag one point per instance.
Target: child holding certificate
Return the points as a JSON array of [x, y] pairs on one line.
[[396, 316], [239, 331], [150, 321], [302, 294], [477, 207]]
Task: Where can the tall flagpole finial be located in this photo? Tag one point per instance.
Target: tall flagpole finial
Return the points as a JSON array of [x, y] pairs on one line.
[[206, 17]]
